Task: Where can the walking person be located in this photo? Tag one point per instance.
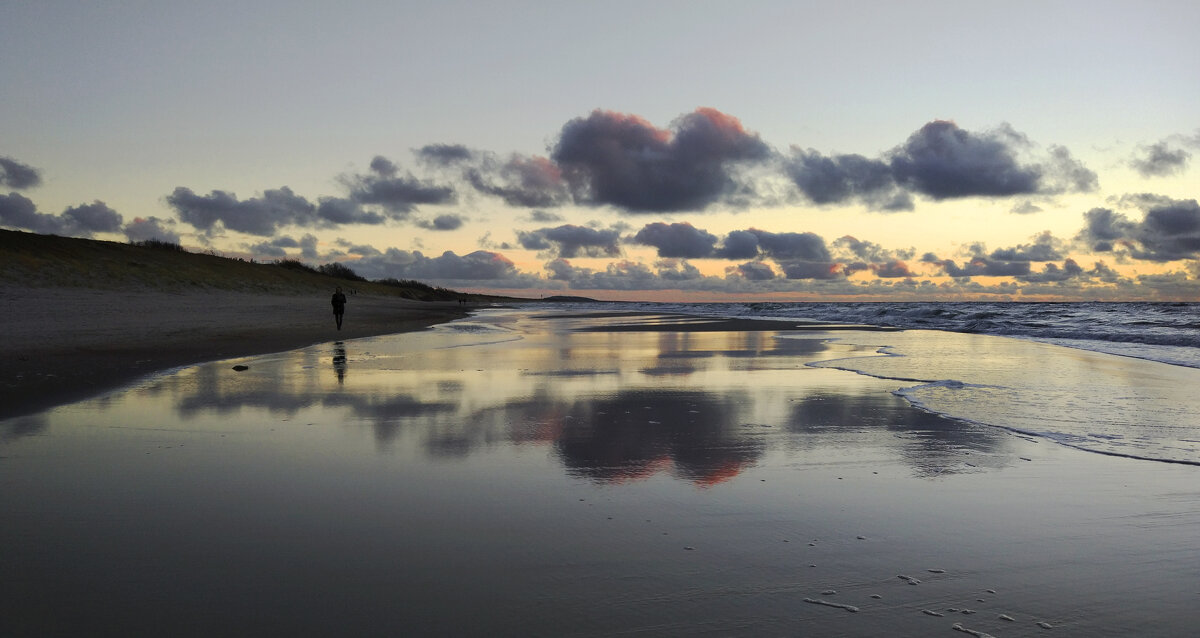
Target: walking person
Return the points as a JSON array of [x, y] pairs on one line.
[[339, 306]]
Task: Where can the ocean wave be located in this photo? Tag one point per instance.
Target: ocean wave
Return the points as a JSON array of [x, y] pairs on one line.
[[1167, 332]]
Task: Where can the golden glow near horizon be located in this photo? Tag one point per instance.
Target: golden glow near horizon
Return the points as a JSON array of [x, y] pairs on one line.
[[955, 168]]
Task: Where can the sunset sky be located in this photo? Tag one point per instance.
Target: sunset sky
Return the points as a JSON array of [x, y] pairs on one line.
[[626, 150]]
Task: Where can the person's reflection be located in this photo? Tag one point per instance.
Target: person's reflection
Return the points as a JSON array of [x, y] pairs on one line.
[[339, 361]]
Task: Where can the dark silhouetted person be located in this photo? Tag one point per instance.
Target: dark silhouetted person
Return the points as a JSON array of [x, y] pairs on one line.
[[339, 306]]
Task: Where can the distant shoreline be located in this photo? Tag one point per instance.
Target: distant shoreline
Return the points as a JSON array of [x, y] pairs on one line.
[[67, 344]]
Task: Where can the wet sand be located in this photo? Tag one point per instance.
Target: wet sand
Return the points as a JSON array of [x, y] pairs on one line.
[[66, 344], [516, 475]]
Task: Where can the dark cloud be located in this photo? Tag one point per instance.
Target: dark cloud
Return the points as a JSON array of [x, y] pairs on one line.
[[813, 270], [1053, 274], [84, 220], [677, 270], [480, 265], [940, 161], [891, 269], [562, 270], [398, 194], [335, 211], [521, 181], [570, 241], [254, 216], [271, 249], [14, 174], [791, 246], [943, 161], [984, 267], [851, 246], [738, 244], [1044, 248], [146, 228], [1170, 230], [1103, 227], [383, 166], [677, 240], [276, 247], [443, 222], [1160, 160], [840, 178], [19, 211], [444, 154], [755, 271], [622, 160]]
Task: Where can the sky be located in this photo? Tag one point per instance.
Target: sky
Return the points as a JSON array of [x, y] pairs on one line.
[[675, 151]]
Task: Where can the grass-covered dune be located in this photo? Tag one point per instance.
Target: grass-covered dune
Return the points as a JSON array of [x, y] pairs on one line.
[[42, 261]]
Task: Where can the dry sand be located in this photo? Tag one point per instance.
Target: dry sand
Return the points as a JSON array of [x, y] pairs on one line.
[[66, 344]]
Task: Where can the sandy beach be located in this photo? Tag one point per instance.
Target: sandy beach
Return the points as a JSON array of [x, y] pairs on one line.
[[63, 344], [518, 473]]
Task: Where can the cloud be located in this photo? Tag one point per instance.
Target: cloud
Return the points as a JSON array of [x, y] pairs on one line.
[[813, 270], [521, 181], [19, 211], [623, 161], [1051, 273], [791, 246], [398, 194], [1065, 174], [146, 228], [677, 270], [383, 166], [480, 265], [85, 220], [943, 161], [677, 240], [1026, 208], [940, 161], [544, 217], [335, 211], [14, 174], [850, 246], [755, 271], [1170, 230], [891, 269], [1044, 248], [272, 248], [738, 244], [840, 178], [443, 222], [1160, 160], [255, 216], [570, 241], [1103, 227], [444, 154], [984, 267]]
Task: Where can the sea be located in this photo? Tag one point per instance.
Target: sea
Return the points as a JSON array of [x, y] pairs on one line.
[[1113, 378], [1166, 332]]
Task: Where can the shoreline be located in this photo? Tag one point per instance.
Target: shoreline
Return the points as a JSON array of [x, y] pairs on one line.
[[65, 344]]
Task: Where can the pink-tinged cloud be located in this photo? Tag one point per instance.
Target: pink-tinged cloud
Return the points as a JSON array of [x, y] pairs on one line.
[[624, 161], [891, 269]]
